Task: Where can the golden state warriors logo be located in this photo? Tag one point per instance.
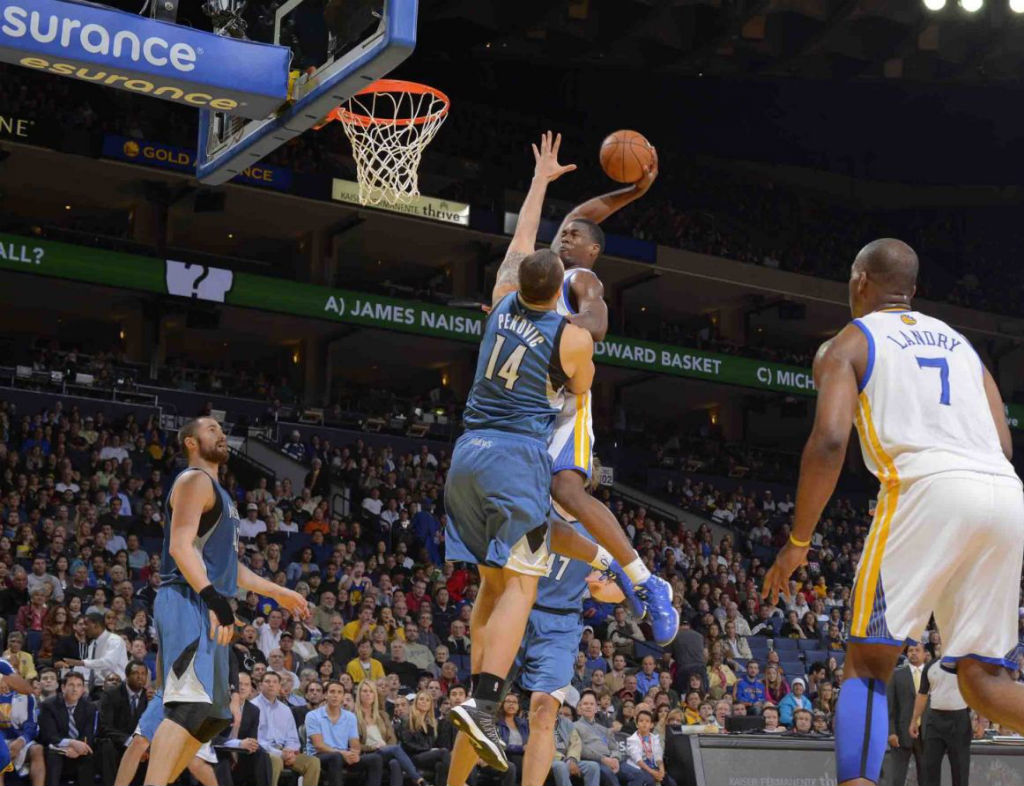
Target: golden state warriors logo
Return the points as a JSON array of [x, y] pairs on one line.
[[131, 149], [906, 319]]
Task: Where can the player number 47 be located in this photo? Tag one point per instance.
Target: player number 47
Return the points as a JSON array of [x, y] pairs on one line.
[[943, 366], [509, 370]]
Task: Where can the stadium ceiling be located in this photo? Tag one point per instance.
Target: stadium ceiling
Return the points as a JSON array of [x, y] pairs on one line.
[[815, 39]]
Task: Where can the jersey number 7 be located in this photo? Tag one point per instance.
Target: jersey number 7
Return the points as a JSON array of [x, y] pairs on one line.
[[943, 366]]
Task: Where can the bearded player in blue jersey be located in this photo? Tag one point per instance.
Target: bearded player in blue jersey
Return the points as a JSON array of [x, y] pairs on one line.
[[199, 573]]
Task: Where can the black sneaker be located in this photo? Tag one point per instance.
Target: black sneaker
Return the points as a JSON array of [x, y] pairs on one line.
[[482, 733]]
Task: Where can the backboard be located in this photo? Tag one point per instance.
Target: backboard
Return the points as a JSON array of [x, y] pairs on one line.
[[229, 144]]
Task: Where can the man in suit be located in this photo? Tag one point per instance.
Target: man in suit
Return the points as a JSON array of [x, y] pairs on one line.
[[241, 738], [901, 693], [68, 723], [120, 710]]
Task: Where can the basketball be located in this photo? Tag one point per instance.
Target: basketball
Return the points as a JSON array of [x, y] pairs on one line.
[[604, 589], [625, 154]]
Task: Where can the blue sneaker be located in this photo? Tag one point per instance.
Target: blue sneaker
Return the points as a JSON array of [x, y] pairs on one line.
[[618, 575], [657, 595]]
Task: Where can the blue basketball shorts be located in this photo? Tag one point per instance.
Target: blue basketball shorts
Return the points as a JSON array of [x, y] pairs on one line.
[[497, 497], [548, 653], [194, 668]]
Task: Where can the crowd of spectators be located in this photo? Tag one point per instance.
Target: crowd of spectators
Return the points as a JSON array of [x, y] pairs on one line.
[[389, 640]]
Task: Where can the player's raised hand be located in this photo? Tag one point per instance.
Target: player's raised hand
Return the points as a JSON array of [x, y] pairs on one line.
[[644, 184], [546, 158], [776, 580], [294, 602]]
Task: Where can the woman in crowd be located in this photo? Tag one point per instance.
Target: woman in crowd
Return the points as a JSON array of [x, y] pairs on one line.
[[18, 657], [303, 647], [326, 671], [826, 700], [273, 563], [419, 737], [775, 685], [691, 712], [513, 730], [377, 735], [62, 570], [627, 717], [809, 625], [303, 567], [721, 678]]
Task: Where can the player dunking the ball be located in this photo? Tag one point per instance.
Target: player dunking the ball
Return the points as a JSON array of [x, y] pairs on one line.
[[200, 571], [497, 493], [948, 535], [579, 243]]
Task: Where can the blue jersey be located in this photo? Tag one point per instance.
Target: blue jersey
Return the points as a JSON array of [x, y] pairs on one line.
[[519, 376], [217, 541], [562, 588]]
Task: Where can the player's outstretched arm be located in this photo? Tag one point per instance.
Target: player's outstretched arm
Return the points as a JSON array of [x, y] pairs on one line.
[[191, 498], [291, 600], [576, 352], [835, 377], [546, 170], [600, 207]]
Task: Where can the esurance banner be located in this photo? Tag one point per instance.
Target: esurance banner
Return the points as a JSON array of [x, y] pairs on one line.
[[245, 290], [142, 55], [163, 156], [419, 207]]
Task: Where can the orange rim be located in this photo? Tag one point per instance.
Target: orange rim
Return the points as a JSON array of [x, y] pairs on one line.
[[391, 86]]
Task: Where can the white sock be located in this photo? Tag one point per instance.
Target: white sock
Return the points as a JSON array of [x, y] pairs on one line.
[[637, 571], [602, 559]]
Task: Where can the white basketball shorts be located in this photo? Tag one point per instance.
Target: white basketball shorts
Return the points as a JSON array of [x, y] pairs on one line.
[[951, 544], [572, 440]]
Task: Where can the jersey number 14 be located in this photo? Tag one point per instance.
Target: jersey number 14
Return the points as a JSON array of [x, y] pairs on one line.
[[509, 370]]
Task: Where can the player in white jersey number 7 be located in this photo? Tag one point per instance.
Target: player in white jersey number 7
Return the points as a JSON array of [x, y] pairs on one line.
[[948, 535], [579, 242]]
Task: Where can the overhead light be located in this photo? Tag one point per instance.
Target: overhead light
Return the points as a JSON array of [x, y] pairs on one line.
[[1017, 6], [67, 207], [231, 235], [934, 5], [971, 6]]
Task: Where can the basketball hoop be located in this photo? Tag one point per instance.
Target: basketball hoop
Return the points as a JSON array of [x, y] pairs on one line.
[[389, 123]]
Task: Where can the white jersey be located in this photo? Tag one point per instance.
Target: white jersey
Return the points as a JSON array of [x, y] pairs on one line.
[[572, 440], [564, 304], [922, 407]]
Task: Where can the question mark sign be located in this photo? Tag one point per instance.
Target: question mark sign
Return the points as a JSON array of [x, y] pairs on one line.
[[39, 254], [205, 271]]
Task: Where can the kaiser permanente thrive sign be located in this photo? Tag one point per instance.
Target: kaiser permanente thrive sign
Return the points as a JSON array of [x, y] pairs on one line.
[[129, 52], [220, 285]]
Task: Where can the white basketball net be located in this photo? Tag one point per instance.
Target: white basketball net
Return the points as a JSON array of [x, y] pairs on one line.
[[388, 130]]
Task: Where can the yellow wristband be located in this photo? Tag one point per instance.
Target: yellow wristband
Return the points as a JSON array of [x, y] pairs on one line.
[[800, 544]]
